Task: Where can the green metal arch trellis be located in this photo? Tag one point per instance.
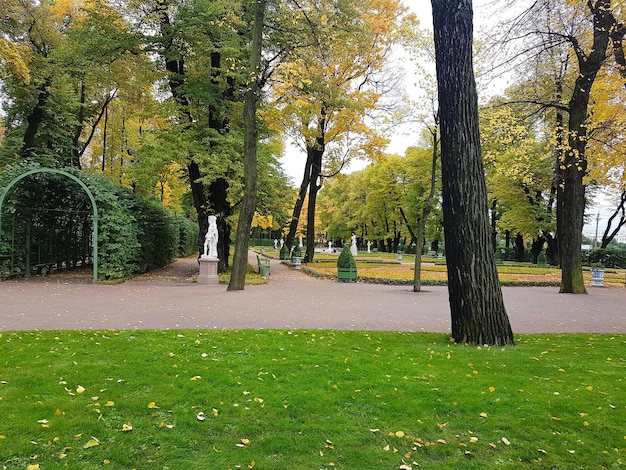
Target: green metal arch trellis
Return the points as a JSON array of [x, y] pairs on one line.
[[82, 185]]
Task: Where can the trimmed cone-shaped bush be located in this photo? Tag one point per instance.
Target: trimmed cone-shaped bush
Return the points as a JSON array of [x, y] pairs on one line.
[[346, 260]]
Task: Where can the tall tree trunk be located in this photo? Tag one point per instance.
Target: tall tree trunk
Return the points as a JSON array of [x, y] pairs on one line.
[[35, 118], [476, 303], [297, 208], [314, 187], [206, 201], [518, 245], [574, 162], [250, 170], [421, 224]]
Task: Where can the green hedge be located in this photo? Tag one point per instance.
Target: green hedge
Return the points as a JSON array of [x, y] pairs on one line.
[[135, 235], [608, 257]]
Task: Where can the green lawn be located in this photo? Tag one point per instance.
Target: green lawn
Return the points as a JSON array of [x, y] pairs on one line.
[[309, 400], [384, 268]]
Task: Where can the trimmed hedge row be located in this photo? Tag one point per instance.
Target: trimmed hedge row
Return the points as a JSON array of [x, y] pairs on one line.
[[608, 257], [135, 235]]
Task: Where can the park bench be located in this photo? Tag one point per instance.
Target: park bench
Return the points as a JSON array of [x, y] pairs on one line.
[[264, 265], [44, 268]]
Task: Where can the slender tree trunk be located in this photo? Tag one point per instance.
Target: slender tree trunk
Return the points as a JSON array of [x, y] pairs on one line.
[[620, 211], [250, 170], [421, 224], [297, 208], [314, 187], [104, 138], [476, 303]]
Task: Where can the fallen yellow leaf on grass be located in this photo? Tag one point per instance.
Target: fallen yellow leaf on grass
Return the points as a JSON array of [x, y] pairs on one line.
[[80, 389], [109, 403], [483, 415], [93, 442], [126, 427], [400, 434], [152, 405], [33, 467]]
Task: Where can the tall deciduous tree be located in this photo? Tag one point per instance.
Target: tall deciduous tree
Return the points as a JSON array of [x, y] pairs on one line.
[[476, 303], [589, 38], [324, 89], [251, 133]]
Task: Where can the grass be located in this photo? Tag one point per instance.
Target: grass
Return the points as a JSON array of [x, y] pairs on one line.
[[276, 399], [384, 268]]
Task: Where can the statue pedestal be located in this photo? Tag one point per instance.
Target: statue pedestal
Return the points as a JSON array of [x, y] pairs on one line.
[[208, 271]]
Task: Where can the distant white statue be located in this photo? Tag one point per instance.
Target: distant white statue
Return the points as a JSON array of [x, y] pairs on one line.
[[275, 244], [282, 243], [353, 248], [301, 245], [369, 245], [330, 245], [210, 240]]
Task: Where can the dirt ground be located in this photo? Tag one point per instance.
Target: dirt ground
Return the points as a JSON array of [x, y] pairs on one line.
[[168, 299]]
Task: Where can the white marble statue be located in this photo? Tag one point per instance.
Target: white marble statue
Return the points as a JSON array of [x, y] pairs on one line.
[[301, 245], [282, 243], [353, 248], [275, 244], [330, 245], [210, 240], [369, 245]]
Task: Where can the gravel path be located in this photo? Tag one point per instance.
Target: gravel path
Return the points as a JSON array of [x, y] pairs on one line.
[[168, 299]]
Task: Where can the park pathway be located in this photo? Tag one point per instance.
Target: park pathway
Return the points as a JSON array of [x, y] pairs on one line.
[[167, 299]]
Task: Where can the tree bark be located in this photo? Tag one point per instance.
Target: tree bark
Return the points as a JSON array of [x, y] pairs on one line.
[[250, 170], [573, 161], [35, 118], [476, 303], [297, 208], [314, 187]]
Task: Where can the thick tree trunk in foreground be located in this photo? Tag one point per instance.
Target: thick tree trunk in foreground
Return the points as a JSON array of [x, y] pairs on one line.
[[476, 303], [250, 170]]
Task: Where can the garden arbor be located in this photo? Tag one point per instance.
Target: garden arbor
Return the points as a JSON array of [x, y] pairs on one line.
[[49, 246]]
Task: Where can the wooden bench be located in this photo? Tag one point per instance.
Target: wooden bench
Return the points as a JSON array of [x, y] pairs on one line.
[[264, 265]]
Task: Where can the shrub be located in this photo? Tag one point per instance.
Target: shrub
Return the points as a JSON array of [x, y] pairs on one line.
[[345, 259], [296, 252], [284, 253], [608, 257], [542, 260], [187, 236], [134, 234]]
